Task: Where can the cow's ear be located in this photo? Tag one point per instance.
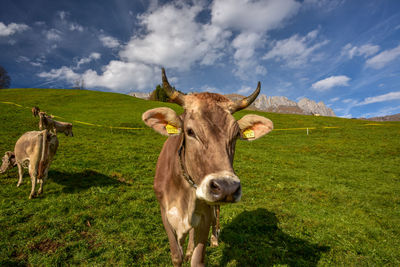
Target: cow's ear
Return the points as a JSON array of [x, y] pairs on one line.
[[253, 127], [163, 120]]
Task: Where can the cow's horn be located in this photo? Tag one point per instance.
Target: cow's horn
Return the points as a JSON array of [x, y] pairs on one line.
[[245, 102], [173, 94]]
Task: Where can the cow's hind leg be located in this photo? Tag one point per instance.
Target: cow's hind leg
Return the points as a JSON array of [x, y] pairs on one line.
[[41, 181], [33, 174], [176, 249], [20, 174]]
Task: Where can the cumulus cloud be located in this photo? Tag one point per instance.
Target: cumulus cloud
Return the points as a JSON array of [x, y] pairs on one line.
[[53, 35], [383, 58], [108, 41], [253, 16], [245, 45], [85, 60], [117, 75], [12, 28], [75, 27], [296, 50], [380, 98], [328, 83], [252, 19], [63, 73], [364, 50], [178, 42]]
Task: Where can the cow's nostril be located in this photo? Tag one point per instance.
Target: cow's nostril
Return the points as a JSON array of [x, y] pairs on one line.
[[238, 191], [215, 187]]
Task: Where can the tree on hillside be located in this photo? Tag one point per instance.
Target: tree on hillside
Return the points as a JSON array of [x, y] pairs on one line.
[[5, 79], [159, 94]]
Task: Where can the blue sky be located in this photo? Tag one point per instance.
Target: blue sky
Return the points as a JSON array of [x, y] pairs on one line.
[[344, 53]]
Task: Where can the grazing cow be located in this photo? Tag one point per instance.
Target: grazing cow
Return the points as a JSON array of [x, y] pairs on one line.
[[35, 111], [35, 151], [194, 172], [47, 122]]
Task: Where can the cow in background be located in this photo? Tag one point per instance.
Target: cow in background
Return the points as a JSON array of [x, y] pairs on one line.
[[35, 151], [35, 111], [48, 122], [194, 170]]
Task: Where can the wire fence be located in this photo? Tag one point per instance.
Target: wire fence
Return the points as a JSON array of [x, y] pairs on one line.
[[143, 128]]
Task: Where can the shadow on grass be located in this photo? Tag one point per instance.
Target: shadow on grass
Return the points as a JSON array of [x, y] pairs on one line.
[[254, 239], [76, 182]]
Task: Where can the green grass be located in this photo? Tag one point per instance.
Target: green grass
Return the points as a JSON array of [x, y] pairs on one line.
[[328, 198]]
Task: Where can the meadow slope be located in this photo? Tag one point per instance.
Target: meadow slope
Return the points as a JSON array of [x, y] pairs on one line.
[[328, 198]]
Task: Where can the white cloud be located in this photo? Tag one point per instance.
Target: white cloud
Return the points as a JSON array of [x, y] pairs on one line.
[[75, 27], [380, 98], [252, 19], [245, 90], [12, 28], [63, 73], [63, 14], [108, 41], [382, 112], [296, 50], [245, 45], [85, 60], [328, 83], [178, 42], [364, 50], [117, 75], [254, 16], [383, 58], [334, 99], [53, 35]]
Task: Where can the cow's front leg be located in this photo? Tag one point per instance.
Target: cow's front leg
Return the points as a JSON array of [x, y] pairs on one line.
[[200, 240], [190, 246], [20, 174], [215, 226], [176, 249]]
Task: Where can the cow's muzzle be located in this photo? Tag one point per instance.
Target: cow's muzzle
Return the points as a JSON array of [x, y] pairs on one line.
[[222, 187]]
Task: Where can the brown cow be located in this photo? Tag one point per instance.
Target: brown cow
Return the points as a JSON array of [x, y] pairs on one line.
[[194, 171], [35, 151], [35, 111], [47, 122]]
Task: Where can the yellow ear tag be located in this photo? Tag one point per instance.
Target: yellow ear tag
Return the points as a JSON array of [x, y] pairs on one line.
[[171, 129], [249, 133]]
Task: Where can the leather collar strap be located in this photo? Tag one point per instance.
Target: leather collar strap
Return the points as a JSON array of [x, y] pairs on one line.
[[184, 173]]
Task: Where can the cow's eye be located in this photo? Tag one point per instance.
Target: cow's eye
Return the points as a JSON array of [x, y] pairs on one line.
[[190, 133]]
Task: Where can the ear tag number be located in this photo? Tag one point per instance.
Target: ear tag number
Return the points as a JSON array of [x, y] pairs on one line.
[[171, 129], [249, 133]]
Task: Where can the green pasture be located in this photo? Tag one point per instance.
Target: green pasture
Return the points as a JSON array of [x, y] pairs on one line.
[[330, 198]]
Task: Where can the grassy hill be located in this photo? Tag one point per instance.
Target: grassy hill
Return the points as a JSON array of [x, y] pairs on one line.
[[328, 198]]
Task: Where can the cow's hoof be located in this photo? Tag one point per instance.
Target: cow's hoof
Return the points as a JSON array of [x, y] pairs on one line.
[[188, 256], [18, 185], [32, 196], [40, 192]]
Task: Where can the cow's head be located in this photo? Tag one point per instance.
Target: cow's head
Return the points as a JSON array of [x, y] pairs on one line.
[[68, 130], [8, 161], [209, 133]]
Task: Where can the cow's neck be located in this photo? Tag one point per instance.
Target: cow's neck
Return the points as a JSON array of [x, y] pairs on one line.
[[184, 173]]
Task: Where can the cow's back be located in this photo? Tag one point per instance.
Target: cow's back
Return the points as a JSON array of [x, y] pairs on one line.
[[29, 146]]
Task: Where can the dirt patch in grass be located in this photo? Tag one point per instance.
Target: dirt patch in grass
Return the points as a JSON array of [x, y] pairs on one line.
[[46, 246]]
